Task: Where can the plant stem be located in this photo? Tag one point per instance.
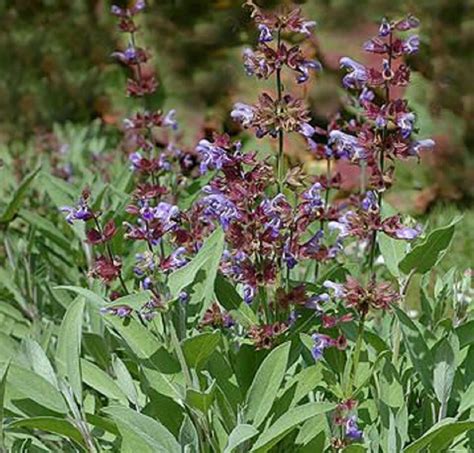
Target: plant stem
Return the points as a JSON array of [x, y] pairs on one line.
[[357, 350], [279, 86], [111, 256]]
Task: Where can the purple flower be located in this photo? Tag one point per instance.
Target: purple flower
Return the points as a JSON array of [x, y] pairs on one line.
[[139, 6], [375, 45], [147, 213], [321, 342], [380, 122], [79, 212], [167, 213], [219, 207], [163, 162], [177, 259], [335, 249], [346, 145], [315, 301], [288, 257], [408, 233], [116, 10], [342, 225], [306, 27], [406, 122], [122, 311], [128, 56], [249, 294], [419, 145], [147, 283], [366, 95], [307, 130], [212, 156], [243, 113], [313, 245], [357, 73], [338, 288], [385, 28], [265, 33], [370, 202], [183, 297], [304, 68], [411, 45], [408, 24], [313, 198], [352, 430], [135, 159], [292, 317], [170, 120]]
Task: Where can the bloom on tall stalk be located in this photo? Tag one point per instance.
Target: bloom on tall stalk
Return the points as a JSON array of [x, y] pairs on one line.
[[279, 113], [265, 231], [385, 132], [160, 167]]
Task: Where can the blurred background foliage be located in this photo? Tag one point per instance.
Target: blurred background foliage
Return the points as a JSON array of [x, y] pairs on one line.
[[56, 69]]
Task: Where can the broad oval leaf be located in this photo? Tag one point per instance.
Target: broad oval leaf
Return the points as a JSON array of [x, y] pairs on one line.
[[198, 349], [420, 355], [69, 346], [287, 422], [424, 257], [267, 381], [239, 435], [441, 435], [51, 424], [99, 380], [141, 433]]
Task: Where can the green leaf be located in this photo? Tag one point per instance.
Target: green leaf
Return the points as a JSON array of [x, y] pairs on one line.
[[267, 381], [391, 391], [420, 355], [288, 422], [239, 435], [125, 380], [233, 303], [440, 435], [99, 380], [39, 361], [393, 251], [141, 433], [444, 371], [61, 193], [201, 401], [135, 301], [51, 424], [198, 349], [14, 205], [91, 296], [23, 383], [47, 228], [425, 256], [140, 340], [355, 448], [467, 399], [188, 436], [203, 268], [3, 384], [69, 346]]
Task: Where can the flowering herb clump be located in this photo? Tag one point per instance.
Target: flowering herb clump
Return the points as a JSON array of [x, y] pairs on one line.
[[227, 298]]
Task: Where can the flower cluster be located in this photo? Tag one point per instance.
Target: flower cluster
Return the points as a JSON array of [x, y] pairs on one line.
[[107, 266], [283, 113], [345, 417], [376, 295], [142, 80]]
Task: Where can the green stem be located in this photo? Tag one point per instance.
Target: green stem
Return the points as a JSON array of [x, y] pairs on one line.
[[179, 352], [357, 350]]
